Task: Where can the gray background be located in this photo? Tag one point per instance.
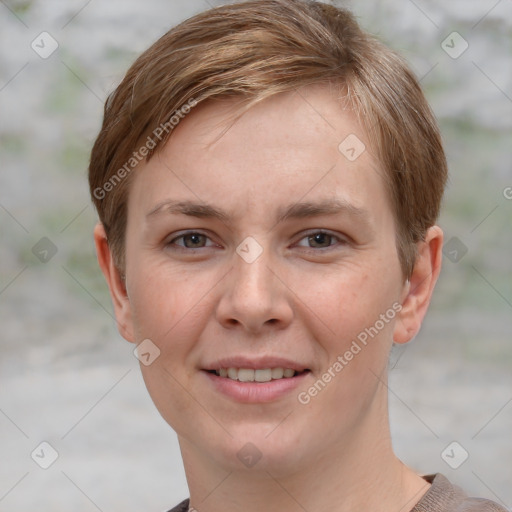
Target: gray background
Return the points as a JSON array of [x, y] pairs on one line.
[[67, 377]]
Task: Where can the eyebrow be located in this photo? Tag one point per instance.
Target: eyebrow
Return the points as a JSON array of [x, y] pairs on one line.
[[298, 210]]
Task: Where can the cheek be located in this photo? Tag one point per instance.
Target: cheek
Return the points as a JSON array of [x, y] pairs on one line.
[[168, 310], [159, 297], [171, 309], [360, 307], [357, 357], [168, 391], [353, 299], [170, 321]]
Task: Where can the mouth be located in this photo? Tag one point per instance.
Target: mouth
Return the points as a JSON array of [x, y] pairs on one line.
[[257, 375], [259, 384]]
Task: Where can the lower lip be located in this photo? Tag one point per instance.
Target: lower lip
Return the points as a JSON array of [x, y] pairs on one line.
[[255, 392]]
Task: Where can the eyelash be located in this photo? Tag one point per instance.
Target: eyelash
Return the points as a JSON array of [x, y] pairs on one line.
[[340, 240]]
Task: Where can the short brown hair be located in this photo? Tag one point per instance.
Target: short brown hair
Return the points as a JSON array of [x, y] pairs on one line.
[[252, 50]]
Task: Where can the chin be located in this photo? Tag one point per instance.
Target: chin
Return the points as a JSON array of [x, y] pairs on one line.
[[254, 448]]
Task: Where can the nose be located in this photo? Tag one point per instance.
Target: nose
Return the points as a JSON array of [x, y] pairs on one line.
[[255, 297]]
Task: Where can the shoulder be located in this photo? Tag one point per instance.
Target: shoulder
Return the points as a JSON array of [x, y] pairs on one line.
[[182, 507], [443, 496]]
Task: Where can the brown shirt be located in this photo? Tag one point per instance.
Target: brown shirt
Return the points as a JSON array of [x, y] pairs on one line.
[[446, 497], [442, 496]]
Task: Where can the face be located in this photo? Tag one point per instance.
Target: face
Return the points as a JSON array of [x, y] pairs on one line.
[[265, 248]]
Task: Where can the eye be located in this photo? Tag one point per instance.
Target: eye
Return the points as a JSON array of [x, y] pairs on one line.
[[320, 240], [191, 240]]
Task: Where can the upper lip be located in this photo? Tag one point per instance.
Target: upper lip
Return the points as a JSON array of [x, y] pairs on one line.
[[256, 363]]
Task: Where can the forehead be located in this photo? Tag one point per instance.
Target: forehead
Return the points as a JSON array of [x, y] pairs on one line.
[[286, 147]]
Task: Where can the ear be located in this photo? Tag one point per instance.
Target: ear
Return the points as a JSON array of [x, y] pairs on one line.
[[115, 282], [418, 289]]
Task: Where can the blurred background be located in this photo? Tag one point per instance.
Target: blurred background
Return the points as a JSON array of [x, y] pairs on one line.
[[66, 376]]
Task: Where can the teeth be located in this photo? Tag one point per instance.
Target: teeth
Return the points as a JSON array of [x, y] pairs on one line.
[[277, 373], [250, 375], [262, 375], [245, 375]]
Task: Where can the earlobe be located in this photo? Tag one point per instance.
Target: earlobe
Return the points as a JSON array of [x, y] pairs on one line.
[[115, 282], [420, 286]]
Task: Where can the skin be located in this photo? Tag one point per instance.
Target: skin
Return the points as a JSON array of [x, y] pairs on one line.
[[303, 298]]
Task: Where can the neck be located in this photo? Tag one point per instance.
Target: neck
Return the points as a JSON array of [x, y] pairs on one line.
[[359, 472]]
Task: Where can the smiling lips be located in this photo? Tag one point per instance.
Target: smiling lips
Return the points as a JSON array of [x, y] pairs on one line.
[[249, 385], [255, 375], [255, 369], [255, 379]]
